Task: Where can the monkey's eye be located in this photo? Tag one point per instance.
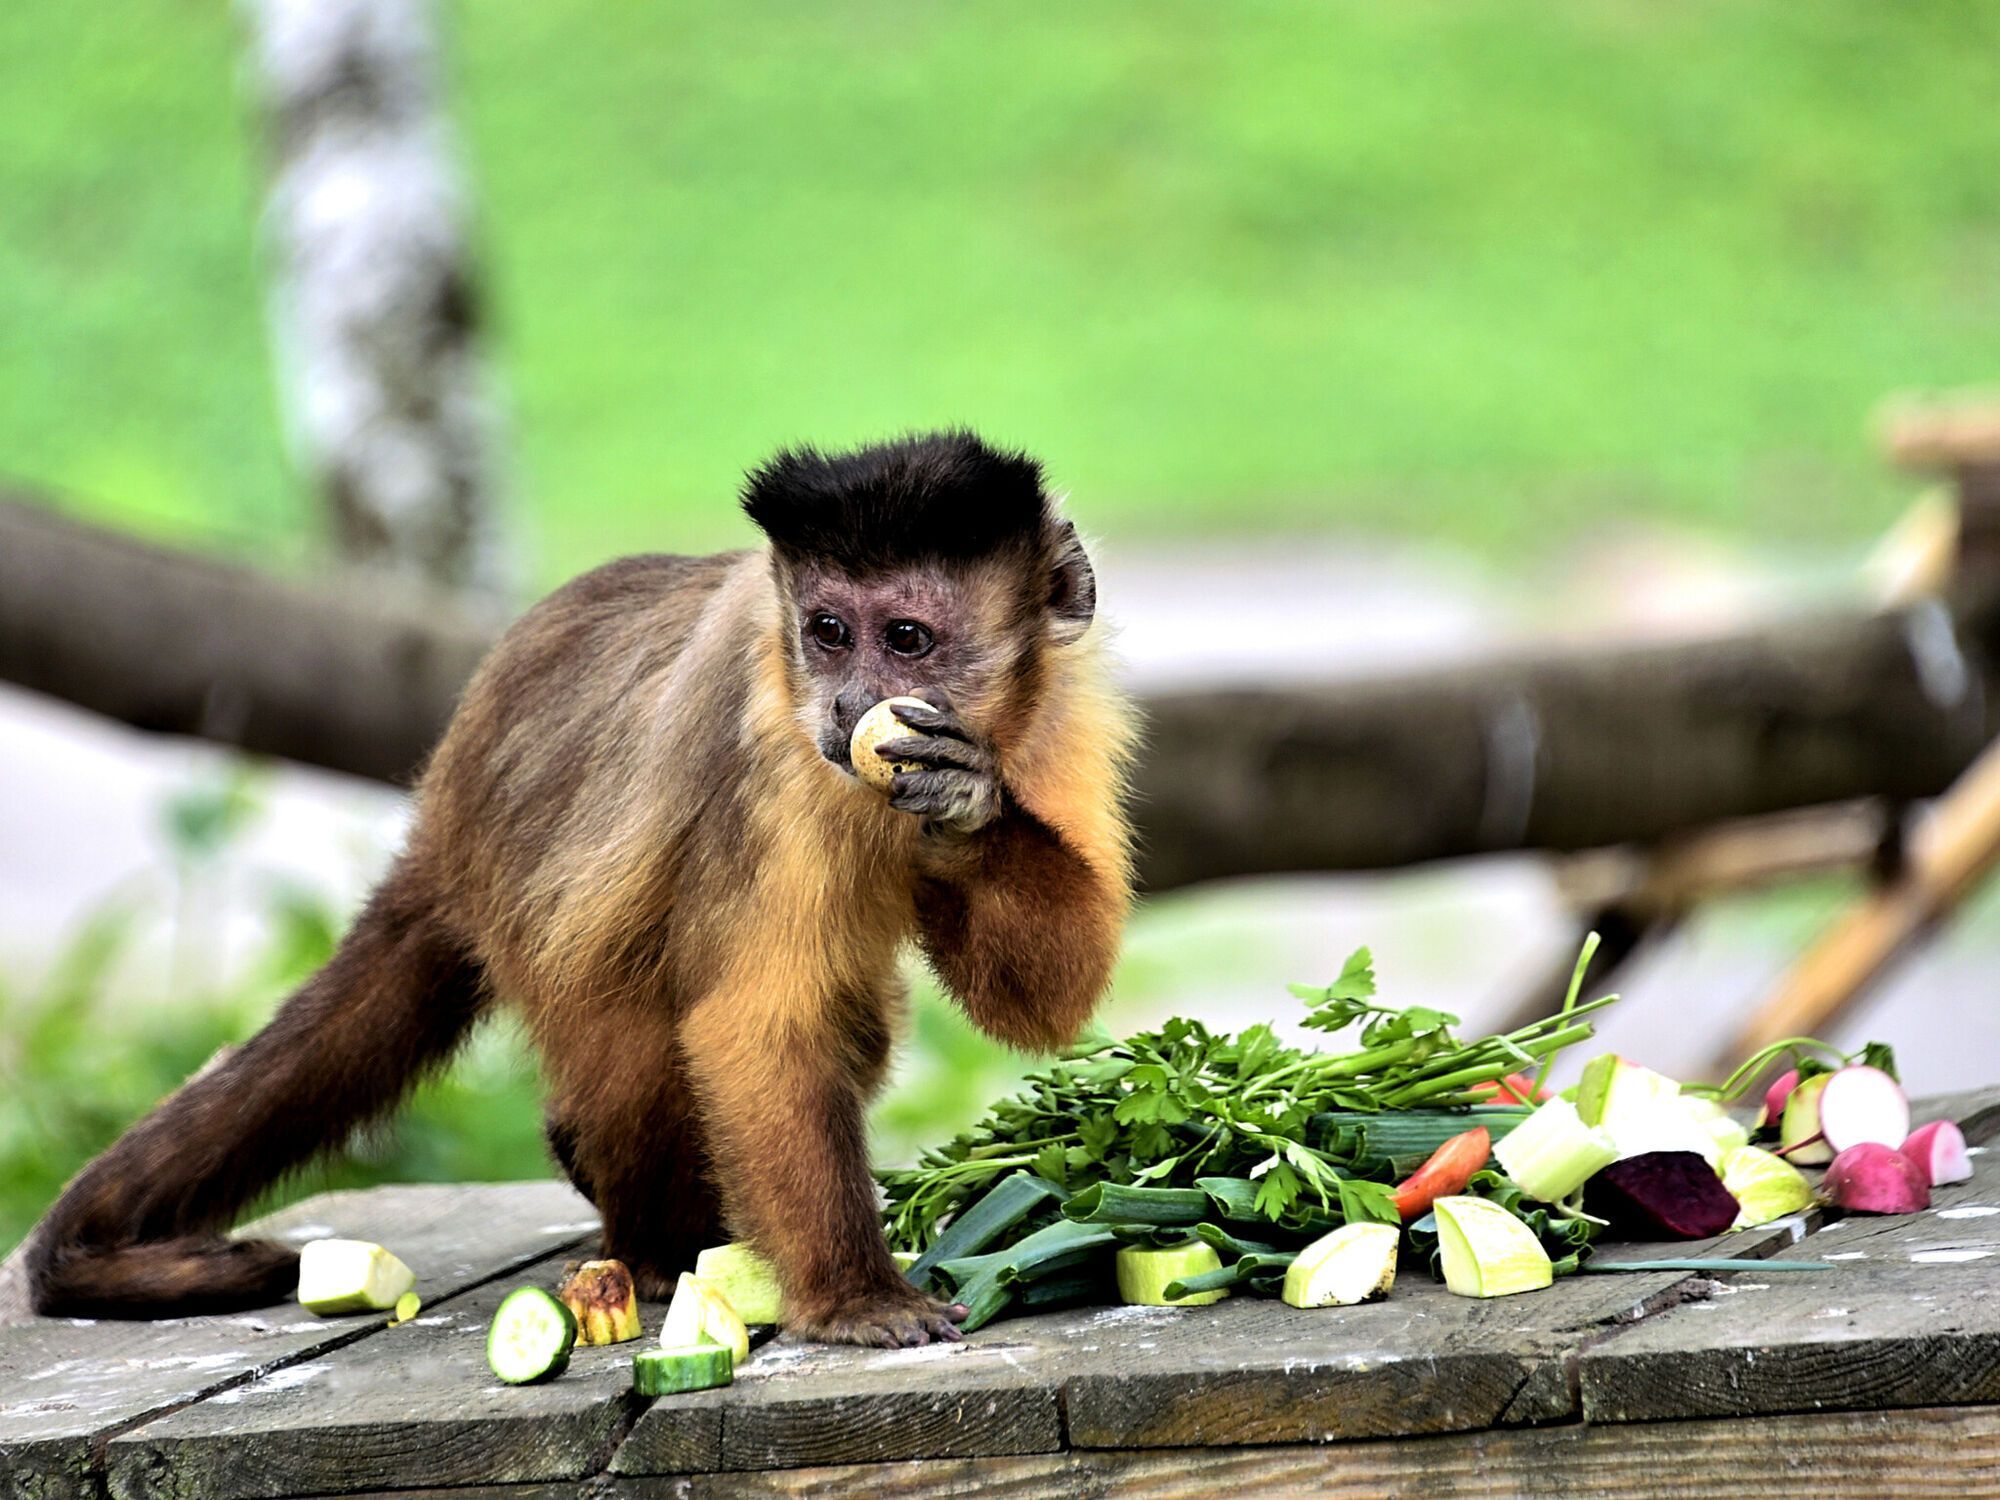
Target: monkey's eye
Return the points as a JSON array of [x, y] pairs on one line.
[[907, 638], [829, 631]]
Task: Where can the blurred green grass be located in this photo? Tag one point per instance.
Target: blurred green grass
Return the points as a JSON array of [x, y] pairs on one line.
[[1470, 271]]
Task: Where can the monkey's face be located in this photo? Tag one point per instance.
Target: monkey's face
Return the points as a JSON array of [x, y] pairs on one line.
[[952, 636]]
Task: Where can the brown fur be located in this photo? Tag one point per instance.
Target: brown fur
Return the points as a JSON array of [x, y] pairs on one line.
[[632, 834]]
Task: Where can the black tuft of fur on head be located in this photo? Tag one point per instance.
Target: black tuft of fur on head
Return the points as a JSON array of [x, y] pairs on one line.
[[940, 496]]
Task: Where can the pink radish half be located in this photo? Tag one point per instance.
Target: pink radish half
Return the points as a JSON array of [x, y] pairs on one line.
[[1939, 1148], [1875, 1179], [1775, 1097], [1863, 1104]]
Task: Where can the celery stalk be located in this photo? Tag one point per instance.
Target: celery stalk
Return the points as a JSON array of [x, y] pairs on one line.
[[1552, 1151]]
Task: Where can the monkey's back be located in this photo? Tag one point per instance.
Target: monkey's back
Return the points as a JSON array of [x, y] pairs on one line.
[[574, 755]]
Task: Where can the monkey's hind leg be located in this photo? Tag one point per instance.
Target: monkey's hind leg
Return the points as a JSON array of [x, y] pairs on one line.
[[631, 1143]]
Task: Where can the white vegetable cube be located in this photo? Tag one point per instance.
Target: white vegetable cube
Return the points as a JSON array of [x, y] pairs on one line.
[[1487, 1251], [344, 1276], [1354, 1263], [700, 1314], [747, 1279]]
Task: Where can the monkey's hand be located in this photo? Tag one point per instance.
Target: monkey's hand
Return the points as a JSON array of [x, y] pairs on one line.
[[957, 783]]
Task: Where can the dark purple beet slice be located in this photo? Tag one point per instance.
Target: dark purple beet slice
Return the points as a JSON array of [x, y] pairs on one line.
[[1662, 1195]]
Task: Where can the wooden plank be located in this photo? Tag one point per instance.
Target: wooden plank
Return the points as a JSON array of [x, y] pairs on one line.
[[1261, 1372], [414, 1406], [1945, 1452], [1907, 1315], [65, 1383], [1865, 1339], [1247, 1370], [795, 1404]]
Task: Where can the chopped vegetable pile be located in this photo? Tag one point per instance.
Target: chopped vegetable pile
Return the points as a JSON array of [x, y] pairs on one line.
[[1237, 1143], [1180, 1165]]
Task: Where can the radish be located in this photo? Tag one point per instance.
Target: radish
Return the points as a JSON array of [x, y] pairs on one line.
[[1872, 1178], [1939, 1148], [1860, 1105], [1775, 1097], [1799, 1138]]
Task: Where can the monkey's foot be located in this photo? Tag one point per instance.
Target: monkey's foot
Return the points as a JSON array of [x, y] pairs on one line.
[[885, 1320]]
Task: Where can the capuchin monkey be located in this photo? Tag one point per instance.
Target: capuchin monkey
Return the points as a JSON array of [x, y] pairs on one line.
[[642, 830]]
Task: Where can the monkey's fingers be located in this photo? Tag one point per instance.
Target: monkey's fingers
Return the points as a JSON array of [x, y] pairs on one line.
[[933, 751], [939, 721], [967, 800]]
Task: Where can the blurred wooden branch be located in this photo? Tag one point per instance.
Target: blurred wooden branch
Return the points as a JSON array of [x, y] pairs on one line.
[[1950, 853], [1567, 750]]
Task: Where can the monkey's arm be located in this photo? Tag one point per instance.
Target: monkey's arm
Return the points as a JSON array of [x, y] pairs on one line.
[[1018, 925], [781, 1062]]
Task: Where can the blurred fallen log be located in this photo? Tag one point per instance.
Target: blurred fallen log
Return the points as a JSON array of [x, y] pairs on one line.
[[1635, 897], [358, 680], [1567, 750]]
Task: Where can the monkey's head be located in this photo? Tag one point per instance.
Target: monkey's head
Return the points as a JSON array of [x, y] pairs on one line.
[[934, 566]]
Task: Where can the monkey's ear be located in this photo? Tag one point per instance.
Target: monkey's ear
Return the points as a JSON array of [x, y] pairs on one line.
[[1072, 586]]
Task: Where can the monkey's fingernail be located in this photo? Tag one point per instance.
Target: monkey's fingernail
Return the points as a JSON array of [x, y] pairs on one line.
[[958, 1312]]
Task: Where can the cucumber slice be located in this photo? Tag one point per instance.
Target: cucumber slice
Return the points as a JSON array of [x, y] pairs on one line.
[[1144, 1275], [531, 1337], [691, 1367]]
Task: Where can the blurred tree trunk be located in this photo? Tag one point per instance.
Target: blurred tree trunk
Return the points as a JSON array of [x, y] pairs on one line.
[[374, 311]]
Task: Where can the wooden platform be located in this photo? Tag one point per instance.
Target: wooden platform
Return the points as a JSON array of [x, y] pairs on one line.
[[1879, 1375]]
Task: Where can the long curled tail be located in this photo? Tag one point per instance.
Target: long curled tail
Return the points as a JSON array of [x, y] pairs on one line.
[[140, 1232]]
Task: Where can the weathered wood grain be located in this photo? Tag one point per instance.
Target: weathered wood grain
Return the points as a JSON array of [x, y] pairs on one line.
[[1944, 1452], [67, 1382], [1261, 1372], [795, 1404], [1948, 1452], [1864, 1339], [415, 1405]]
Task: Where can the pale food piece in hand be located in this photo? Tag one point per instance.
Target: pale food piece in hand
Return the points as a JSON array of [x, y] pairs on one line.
[[877, 726]]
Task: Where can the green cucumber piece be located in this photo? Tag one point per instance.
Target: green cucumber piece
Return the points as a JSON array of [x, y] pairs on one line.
[[531, 1337], [690, 1367], [1144, 1275]]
